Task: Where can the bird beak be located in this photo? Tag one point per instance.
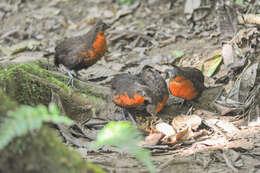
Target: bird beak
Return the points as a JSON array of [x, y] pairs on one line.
[[106, 26]]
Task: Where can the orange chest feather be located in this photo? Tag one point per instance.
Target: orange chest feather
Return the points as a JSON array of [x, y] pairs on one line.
[[126, 101], [99, 49], [183, 88], [100, 45]]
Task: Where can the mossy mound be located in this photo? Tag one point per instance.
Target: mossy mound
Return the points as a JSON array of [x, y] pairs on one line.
[[31, 84], [40, 151]]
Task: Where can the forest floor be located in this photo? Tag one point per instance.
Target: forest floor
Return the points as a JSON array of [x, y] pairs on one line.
[[150, 33]]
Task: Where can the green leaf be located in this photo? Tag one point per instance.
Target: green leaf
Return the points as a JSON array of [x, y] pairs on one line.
[[125, 136], [121, 131], [26, 119], [240, 2], [126, 2], [178, 54], [214, 64]]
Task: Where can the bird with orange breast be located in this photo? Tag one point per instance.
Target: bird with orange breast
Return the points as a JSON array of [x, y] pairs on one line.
[[157, 84], [81, 52], [186, 82], [145, 91]]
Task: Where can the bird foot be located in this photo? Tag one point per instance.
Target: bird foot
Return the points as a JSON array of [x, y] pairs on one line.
[[190, 111], [71, 80], [130, 117]]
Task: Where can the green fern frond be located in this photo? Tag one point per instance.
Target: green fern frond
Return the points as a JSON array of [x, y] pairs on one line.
[[26, 119]]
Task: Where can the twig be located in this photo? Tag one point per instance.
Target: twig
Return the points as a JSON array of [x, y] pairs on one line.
[[215, 128], [249, 19], [65, 132], [228, 162]]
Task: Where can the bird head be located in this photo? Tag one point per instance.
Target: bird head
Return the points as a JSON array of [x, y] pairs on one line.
[[101, 26], [174, 72]]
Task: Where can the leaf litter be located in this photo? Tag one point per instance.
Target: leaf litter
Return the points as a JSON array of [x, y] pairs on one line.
[[135, 42]]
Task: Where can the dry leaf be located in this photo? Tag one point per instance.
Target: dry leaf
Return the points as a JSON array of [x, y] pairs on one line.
[[166, 129], [152, 139], [227, 54], [181, 121], [179, 137]]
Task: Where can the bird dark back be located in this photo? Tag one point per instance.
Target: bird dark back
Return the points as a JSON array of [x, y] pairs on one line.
[[126, 83], [195, 75], [154, 80], [68, 52]]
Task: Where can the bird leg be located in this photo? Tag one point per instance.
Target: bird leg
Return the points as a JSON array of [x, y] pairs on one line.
[[190, 111], [77, 74], [132, 119], [71, 80], [183, 102], [129, 115]]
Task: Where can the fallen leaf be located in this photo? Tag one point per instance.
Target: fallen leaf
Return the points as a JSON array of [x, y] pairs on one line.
[[180, 136], [210, 66], [241, 143], [166, 129], [181, 121], [227, 54], [20, 47], [249, 19], [230, 129], [211, 142], [191, 5], [255, 123], [244, 84], [23, 57], [178, 54], [152, 139]]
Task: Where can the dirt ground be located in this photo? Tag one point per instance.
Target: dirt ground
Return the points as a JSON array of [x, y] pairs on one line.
[[144, 33]]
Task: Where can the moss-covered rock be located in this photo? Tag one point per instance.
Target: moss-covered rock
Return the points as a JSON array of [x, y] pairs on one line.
[[40, 151], [5, 103], [31, 85]]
